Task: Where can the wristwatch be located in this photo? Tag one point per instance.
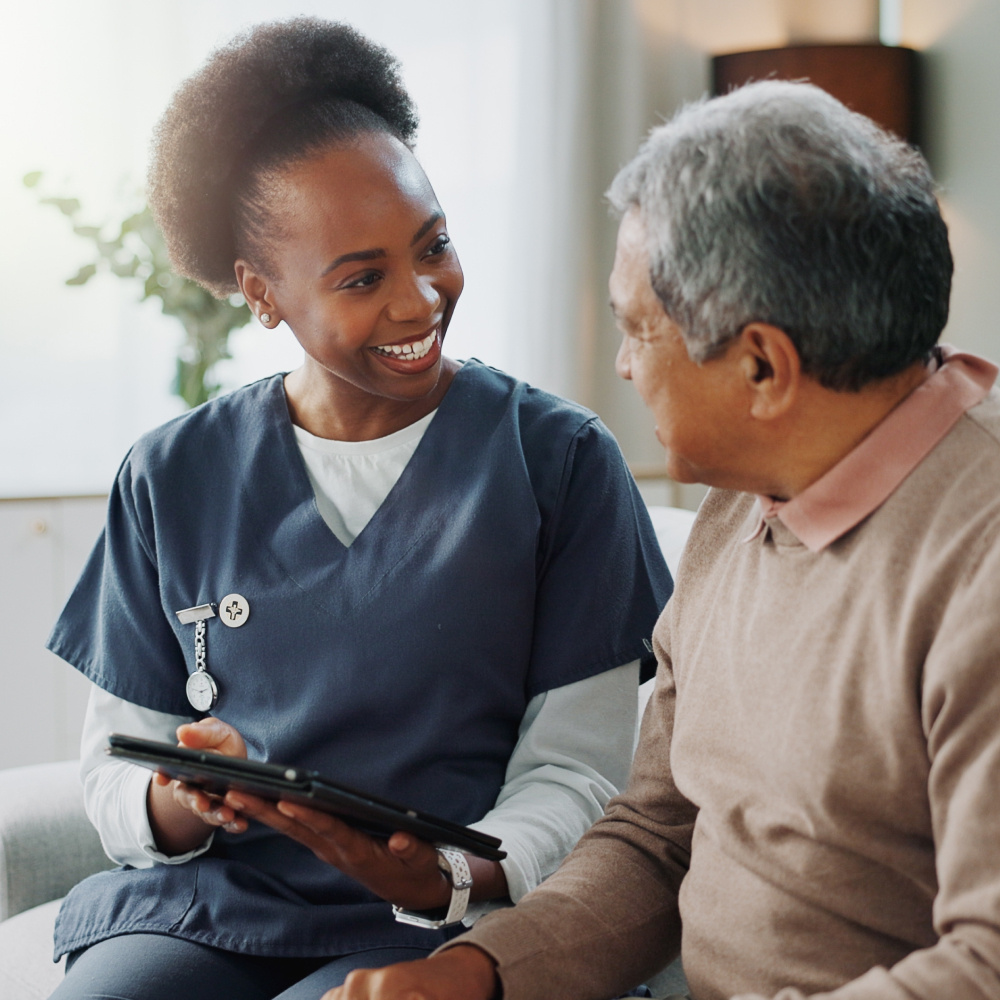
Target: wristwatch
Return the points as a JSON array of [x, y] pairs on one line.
[[456, 870]]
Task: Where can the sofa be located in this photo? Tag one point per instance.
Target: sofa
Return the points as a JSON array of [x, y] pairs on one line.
[[47, 844]]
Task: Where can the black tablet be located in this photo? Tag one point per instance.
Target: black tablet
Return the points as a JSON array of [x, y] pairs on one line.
[[377, 816]]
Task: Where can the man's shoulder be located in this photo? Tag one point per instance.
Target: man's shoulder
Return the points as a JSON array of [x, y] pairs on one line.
[[985, 418], [960, 474]]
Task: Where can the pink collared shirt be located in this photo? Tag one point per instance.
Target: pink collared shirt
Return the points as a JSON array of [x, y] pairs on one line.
[[864, 479]]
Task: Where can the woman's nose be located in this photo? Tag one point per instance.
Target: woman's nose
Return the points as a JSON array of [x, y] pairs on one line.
[[413, 299]]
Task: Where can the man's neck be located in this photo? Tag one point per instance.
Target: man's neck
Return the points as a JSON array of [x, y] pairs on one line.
[[827, 425]]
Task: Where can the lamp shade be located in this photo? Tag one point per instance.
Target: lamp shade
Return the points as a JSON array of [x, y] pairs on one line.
[[879, 81]]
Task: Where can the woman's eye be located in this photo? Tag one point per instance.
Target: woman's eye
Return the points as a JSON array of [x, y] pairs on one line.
[[365, 281], [439, 245]]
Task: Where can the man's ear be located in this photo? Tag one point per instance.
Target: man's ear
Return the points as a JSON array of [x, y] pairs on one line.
[[771, 368], [259, 294]]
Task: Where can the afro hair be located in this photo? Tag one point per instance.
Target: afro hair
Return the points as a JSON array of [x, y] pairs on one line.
[[272, 96]]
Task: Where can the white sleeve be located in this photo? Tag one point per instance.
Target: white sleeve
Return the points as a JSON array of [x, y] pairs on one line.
[[114, 791], [573, 753]]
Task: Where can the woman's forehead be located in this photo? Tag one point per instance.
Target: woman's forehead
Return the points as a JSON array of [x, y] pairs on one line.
[[373, 166], [371, 193]]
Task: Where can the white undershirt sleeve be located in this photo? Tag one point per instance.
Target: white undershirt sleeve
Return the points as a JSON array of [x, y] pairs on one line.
[[573, 753], [114, 791]]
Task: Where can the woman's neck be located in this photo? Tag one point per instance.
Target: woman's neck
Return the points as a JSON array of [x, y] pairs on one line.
[[330, 407]]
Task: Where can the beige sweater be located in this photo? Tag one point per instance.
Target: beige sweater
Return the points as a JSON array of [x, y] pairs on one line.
[[819, 765]]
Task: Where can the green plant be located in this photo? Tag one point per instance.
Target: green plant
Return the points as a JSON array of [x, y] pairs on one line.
[[136, 251]]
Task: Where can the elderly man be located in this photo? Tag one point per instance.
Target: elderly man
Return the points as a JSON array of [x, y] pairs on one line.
[[814, 805]]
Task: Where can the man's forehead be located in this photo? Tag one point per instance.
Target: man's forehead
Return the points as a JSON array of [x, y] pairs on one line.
[[630, 275], [632, 232]]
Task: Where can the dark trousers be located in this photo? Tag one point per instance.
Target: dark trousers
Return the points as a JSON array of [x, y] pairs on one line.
[[157, 967]]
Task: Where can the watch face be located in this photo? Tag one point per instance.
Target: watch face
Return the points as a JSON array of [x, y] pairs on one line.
[[201, 690]]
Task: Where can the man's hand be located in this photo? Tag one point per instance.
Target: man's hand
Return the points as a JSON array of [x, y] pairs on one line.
[[460, 973], [180, 814], [402, 869]]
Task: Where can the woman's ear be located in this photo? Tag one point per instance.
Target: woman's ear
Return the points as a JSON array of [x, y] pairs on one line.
[[258, 292], [771, 368]]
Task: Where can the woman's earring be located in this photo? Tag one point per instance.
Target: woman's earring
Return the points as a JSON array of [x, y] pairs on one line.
[[265, 317]]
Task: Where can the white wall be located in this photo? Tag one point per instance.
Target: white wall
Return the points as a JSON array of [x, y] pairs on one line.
[[43, 546]]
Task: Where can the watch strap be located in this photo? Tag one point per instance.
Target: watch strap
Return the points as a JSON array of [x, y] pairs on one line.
[[455, 866]]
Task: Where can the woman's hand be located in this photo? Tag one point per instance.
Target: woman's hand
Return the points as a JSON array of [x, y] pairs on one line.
[[460, 973], [181, 815], [402, 869]]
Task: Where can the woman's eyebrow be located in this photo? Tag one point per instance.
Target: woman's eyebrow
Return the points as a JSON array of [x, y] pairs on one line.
[[427, 225], [378, 252], [375, 254]]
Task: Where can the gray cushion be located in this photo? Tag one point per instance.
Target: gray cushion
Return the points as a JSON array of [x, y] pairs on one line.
[[47, 844], [27, 971]]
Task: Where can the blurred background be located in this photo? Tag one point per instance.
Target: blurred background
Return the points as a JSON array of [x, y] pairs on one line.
[[527, 108]]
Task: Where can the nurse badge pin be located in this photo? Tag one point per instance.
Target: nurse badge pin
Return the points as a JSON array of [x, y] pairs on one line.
[[202, 691], [234, 610]]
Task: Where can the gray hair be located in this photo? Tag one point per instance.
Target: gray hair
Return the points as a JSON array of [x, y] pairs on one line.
[[776, 204]]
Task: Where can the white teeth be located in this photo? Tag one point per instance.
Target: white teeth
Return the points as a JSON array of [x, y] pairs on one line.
[[411, 352]]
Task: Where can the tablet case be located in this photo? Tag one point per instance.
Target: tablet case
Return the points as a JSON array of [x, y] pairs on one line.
[[376, 816]]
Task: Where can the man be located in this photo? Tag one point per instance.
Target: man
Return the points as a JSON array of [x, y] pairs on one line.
[[815, 794]]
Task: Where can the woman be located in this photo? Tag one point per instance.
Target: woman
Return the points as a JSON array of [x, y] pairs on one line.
[[436, 580]]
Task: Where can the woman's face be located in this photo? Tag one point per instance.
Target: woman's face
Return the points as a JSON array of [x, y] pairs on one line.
[[364, 271]]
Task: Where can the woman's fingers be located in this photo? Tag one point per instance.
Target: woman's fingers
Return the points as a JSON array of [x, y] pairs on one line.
[[212, 734], [403, 870], [330, 839], [209, 809]]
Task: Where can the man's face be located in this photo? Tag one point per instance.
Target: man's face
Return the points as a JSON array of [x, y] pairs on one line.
[[694, 405]]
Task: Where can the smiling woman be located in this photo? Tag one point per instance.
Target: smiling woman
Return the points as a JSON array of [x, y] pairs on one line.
[[367, 282], [424, 550]]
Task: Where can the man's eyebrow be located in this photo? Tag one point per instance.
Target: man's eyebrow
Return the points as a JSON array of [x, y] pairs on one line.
[[375, 254], [422, 231]]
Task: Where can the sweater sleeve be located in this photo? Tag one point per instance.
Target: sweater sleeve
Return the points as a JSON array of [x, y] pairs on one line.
[[608, 918]]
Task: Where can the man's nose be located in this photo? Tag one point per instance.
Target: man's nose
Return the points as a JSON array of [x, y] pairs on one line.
[[623, 360]]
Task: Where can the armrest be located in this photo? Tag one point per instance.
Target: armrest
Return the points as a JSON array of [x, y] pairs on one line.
[[47, 844]]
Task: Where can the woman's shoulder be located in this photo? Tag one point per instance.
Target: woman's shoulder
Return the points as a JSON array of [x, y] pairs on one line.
[[494, 393], [558, 440], [206, 433]]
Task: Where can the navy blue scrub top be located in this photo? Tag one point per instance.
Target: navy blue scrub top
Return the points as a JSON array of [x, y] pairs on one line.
[[514, 555]]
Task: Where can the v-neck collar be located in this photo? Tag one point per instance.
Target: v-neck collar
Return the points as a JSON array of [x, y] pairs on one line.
[[280, 498]]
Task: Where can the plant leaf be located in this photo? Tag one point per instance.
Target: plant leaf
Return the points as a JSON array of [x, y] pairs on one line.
[[31, 180], [83, 275], [68, 206]]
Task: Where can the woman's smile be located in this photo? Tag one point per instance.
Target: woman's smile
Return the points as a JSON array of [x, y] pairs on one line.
[[411, 355]]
